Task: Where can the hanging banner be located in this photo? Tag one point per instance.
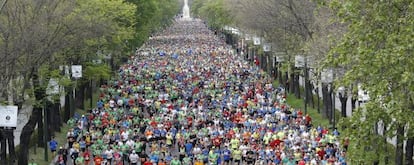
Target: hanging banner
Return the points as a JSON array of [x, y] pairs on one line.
[[256, 41], [280, 56], [76, 71], [248, 37], [8, 116], [267, 47], [299, 61], [52, 87], [327, 76]]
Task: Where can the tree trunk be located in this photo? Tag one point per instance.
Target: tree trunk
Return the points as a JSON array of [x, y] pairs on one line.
[[326, 101], [409, 151], [10, 142], [353, 103], [89, 93], [3, 154], [280, 74], [25, 138], [51, 115], [292, 83], [287, 83], [297, 85], [66, 114], [343, 100], [399, 153], [310, 94], [80, 96], [28, 128], [58, 117], [39, 126]]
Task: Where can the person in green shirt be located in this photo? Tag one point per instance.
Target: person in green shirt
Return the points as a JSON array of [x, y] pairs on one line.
[[175, 161], [212, 157], [187, 160], [237, 155], [79, 159]]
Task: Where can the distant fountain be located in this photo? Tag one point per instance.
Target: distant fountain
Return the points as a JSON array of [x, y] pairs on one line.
[[186, 10]]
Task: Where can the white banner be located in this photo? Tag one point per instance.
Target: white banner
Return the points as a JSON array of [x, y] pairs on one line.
[[256, 41], [327, 76], [8, 116], [248, 37], [299, 61], [76, 71], [280, 58], [52, 87], [267, 47]]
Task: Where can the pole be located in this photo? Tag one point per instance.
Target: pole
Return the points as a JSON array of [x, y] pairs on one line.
[[45, 131], [333, 107], [91, 94], [306, 85]]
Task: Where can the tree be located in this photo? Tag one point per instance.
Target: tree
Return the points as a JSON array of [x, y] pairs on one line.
[[378, 50], [152, 16], [215, 12], [37, 36]]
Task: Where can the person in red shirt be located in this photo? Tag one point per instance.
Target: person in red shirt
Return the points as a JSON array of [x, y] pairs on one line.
[[301, 162], [87, 157], [148, 162], [308, 120], [98, 160], [321, 153], [274, 143], [217, 141]]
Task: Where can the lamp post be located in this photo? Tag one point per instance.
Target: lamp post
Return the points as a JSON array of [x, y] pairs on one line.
[[306, 84]]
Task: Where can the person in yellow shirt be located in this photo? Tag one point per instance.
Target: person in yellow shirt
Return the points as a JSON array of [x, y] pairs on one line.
[[76, 145], [198, 162]]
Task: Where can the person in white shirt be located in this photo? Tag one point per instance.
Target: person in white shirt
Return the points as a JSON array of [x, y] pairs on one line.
[[133, 158], [120, 102], [130, 143], [109, 155], [111, 103], [125, 135]]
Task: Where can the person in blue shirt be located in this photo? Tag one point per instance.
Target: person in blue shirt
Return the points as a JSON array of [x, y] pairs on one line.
[[154, 157], [218, 152], [188, 148], [226, 156], [205, 153], [53, 144]]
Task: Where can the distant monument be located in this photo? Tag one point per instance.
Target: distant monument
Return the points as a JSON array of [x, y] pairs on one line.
[[186, 10]]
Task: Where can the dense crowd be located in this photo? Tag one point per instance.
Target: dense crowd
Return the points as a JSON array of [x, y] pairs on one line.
[[186, 98]]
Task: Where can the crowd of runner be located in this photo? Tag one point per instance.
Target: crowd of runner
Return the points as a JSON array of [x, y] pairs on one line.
[[186, 98]]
